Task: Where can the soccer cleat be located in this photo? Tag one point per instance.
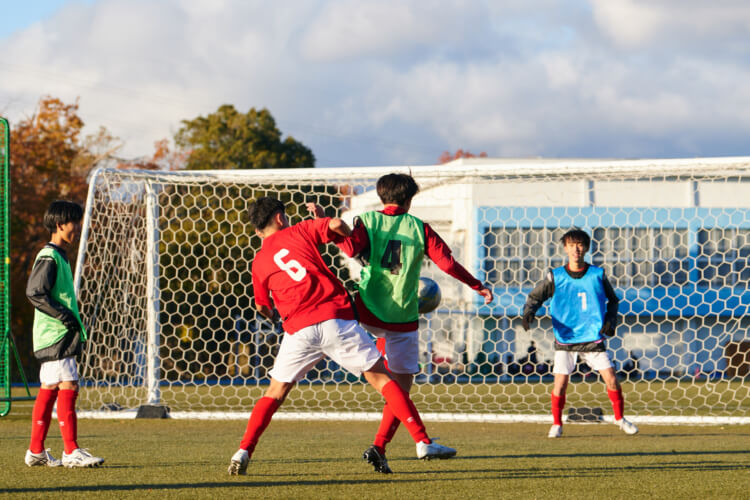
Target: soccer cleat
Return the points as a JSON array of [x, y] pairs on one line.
[[81, 458], [626, 426], [555, 431], [238, 465], [433, 450], [43, 458], [373, 457]]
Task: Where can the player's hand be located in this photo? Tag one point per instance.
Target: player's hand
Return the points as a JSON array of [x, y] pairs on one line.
[[607, 329], [486, 293], [315, 209], [528, 318]]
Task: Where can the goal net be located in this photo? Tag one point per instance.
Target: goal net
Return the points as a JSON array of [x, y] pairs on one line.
[[165, 288]]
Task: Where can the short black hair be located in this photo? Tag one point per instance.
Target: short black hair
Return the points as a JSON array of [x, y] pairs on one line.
[[397, 188], [577, 235], [262, 209], [61, 212]]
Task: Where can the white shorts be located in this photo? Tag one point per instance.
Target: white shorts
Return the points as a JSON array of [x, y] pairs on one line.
[[565, 361], [344, 341], [62, 370], [401, 349]]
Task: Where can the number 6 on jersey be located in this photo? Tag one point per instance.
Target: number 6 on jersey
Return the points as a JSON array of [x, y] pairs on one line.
[[293, 268]]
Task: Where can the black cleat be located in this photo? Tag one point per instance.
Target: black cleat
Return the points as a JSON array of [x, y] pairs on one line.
[[373, 457]]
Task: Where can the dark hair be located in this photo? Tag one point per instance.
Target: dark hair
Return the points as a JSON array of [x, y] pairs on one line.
[[397, 188], [577, 235], [262, 209], [61, 212]]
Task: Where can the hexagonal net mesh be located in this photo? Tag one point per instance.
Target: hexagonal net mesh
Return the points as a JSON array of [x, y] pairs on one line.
[[166, 291]]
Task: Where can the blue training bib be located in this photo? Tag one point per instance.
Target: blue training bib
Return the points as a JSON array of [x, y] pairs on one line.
[[578, 306]]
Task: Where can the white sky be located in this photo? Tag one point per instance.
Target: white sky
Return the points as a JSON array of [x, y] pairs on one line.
[[395, 82]]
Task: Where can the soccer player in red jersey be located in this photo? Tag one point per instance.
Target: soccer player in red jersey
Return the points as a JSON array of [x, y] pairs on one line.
[[391, 245], [318, 320]]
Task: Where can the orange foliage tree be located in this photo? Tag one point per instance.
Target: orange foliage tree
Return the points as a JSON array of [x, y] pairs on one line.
[[460, 153], [163, 159], [50, 160]]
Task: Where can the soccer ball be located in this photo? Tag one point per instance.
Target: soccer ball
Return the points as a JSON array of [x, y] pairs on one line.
[[429, 295]]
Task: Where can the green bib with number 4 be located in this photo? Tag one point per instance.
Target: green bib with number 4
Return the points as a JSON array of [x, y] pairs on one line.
[[390, 282]]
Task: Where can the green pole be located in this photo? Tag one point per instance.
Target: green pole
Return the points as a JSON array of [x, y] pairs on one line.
[[5, 347]]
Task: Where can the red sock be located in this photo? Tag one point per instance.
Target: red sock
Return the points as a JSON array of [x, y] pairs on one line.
[[259, 420], [388, 427], [404, 410], [558, 403], [66, 416], [41, 416], [618, 402]]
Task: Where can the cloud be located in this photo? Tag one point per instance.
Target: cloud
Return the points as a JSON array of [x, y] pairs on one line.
[[385, 28], [388, 82], [689, 23]]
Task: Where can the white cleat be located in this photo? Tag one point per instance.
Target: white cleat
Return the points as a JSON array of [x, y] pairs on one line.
[[81, 458], [238, 465], [626, 426], [555, 431], [434, 450], [43, 458]]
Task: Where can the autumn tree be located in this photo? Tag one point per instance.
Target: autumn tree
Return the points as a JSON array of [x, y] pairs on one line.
[[164, 158], [50, 159], [227, 139], [460, 153]]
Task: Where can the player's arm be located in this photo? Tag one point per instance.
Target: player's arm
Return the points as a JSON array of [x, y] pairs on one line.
[[315, 209], [440, 253], [613, 302], [357, 244], [265, 311], [339, 228], [536, 298], [39, 292], [262, 296]]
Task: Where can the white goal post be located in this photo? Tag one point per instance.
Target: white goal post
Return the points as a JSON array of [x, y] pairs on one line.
[[163, 280]]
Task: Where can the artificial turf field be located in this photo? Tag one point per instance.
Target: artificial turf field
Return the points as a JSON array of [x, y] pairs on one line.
[[188, 459]]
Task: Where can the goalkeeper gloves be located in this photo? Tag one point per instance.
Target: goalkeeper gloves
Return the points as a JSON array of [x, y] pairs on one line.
[[607, 329], [528, 318]]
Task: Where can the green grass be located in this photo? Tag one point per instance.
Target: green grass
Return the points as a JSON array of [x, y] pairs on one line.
[[653, 397], [188, 459]]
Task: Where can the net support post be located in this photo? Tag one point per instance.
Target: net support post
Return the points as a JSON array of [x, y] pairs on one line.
[[152, 294]]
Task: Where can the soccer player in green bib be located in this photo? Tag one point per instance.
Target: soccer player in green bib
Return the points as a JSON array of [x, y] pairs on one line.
[[58, 336], [391, 245]]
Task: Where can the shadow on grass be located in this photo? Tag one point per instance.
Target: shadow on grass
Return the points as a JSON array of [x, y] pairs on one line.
[[673, 453], [431, 476], [240, 482], [574, 472]]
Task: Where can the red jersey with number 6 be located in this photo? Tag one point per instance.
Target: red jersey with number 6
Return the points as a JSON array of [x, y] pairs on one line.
[[289, 267]]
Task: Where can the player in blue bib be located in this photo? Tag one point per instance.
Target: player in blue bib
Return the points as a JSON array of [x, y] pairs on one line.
[[583, 308]]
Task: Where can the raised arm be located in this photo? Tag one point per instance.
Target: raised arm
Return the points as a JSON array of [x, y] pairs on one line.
[[335, 225], [339, 227], [440, 253]]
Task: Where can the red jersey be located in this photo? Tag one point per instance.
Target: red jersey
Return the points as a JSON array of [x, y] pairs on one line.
[[290, 268], [435, 248]]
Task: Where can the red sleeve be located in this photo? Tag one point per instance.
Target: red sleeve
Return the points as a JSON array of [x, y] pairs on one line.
[[260, 291], [440, 253], [357, 242], [316, 230]]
